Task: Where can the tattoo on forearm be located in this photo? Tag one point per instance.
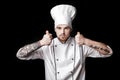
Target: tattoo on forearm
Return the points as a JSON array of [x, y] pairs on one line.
[[96, 47], [29, 49]]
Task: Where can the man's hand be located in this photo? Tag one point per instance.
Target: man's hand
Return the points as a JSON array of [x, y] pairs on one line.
[[79, 38], [47, 38]]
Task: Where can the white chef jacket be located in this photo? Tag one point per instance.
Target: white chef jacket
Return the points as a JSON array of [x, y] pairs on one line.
[[62, 61]]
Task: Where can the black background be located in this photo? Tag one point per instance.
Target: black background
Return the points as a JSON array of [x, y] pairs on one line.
[[26, 22]]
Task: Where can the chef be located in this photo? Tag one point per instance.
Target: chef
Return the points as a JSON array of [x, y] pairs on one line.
[[64, 56]]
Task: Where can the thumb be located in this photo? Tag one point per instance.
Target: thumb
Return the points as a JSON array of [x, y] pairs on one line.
[[47, 32], [78, 33]]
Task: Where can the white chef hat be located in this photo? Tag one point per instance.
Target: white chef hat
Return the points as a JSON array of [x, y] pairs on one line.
[[63, 14]]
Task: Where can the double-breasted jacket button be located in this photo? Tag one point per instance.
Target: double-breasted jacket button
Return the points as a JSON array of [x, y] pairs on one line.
[[57, 59], [55, 45], [58, 72], [72, 58], [71, 44]]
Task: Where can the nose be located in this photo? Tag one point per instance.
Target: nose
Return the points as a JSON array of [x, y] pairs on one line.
[[62, 31]]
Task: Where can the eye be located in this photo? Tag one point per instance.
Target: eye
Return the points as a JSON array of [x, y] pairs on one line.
[[67, 28], [58, 27]]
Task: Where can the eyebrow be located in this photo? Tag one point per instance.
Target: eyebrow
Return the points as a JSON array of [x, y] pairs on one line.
[[61, 27]]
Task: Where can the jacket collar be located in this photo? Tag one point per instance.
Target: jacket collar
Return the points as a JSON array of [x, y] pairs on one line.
[[57, 41]]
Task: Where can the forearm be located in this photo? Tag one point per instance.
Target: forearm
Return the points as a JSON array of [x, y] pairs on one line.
[[101, 47], [26, 50]]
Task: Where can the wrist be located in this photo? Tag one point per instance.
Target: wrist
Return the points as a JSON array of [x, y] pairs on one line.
[[86, 41], [89, 42], [41, 43]]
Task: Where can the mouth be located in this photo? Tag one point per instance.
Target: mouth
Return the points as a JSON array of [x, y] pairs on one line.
[[63, 36]]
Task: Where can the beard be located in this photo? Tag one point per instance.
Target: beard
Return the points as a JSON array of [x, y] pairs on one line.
[[63, 38]]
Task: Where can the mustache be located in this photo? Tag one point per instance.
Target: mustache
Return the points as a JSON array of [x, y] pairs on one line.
[[62, 34]]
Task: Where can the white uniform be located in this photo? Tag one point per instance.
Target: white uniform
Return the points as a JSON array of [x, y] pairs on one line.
[[62, 61]]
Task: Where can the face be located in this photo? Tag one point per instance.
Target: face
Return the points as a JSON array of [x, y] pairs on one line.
[[63, 32]]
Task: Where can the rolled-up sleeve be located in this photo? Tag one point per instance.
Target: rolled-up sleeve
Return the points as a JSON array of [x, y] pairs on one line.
[[91, 52]]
